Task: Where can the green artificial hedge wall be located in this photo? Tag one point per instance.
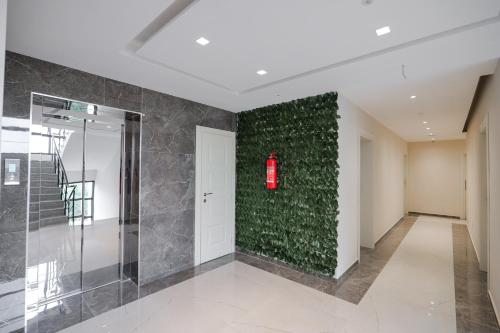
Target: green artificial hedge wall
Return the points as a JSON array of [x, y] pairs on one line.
[[297, 223]]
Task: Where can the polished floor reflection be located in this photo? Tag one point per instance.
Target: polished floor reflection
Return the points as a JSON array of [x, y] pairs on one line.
[[354, 284], [414, 292], [55, 267]]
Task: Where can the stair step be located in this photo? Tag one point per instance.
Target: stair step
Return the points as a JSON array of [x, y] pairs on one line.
[[50, 204], [43, 183], [54, 220], [53, 212], [51, 176], [42, 164], [47, 214], [48, 221], [45, 190], [45, 170], [42, 156], [35, 197]]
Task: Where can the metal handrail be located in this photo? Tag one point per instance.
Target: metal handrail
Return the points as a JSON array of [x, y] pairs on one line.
[[63, 181], [70, 199]]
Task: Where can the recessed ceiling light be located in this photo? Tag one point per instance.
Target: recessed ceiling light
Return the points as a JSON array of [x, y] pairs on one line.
[[202, 41], [108, 126], [425, 122], [428, 128], [383, 31], [413, 96], [430, 134], [261, 72]]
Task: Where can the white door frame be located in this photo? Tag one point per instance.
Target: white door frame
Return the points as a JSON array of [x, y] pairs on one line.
[[198, 199]]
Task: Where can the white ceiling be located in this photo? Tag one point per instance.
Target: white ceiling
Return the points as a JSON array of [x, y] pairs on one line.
[[307, 47]]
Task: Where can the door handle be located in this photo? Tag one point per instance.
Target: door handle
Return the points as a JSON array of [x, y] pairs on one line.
[[205, 196]]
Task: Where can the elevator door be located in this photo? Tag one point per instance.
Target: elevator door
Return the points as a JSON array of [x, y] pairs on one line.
[[76, 209], [102, 156]]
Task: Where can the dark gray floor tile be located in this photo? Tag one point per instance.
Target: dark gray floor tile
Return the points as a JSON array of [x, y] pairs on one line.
[[474, 310]]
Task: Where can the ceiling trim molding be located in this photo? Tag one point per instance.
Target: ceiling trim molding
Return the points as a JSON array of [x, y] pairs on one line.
[[481, 86], [170, 14], [180, 7]]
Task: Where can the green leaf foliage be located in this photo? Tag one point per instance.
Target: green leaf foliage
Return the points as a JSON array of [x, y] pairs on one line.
[[297, 223]]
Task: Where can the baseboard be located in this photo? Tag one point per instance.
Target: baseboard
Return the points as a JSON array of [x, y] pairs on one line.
[[388, 231], [281, 263], [474, 246], [436, 215], [494, 307], [347, 273]]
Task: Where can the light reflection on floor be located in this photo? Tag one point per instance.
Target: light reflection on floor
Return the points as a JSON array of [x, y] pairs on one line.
[[55, 257], [413, 293]]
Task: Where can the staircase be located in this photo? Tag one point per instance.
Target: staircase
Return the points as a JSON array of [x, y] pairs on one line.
[[48, 192]]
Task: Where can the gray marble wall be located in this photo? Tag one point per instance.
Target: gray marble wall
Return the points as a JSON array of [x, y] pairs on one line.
[[167, 170]]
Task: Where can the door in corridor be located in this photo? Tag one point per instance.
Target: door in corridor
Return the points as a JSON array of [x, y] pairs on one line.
[[215, 193]]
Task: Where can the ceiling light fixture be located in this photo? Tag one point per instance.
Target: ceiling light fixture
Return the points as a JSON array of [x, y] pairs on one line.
[[428, 128], [425, 122], [108, 126], [430, 134], [261, 72], [383, 31], [202, 41], [413, 96]]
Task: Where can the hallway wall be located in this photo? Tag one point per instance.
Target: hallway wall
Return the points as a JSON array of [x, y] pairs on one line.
[[436, 177], [487, 107], [388, 180]]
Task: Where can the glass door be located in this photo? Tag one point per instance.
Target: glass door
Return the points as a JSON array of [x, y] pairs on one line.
[[101, 257], [84, 200], [54, 240]]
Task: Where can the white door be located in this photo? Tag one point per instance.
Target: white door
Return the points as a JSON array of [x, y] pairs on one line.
[[215, 193]]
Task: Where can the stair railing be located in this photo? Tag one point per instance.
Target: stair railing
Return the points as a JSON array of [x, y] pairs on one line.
[[67, 191]]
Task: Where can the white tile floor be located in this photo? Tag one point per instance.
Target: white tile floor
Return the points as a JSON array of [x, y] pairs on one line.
[[413, 293]]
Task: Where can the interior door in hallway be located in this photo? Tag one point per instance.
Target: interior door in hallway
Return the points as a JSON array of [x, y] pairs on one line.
[[215, 193]]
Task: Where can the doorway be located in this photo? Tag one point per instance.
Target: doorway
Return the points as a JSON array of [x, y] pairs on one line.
[[215, 193], [83, 198], [484, 199], [405, 184], [366, 193]]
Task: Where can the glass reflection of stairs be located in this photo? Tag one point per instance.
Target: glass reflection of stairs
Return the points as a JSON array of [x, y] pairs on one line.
[[47, 205]]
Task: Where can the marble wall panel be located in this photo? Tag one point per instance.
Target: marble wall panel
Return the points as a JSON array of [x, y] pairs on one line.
[[168, 180], [167, 167]]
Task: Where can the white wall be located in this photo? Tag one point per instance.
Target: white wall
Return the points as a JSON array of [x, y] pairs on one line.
[[388, 180], [488, 107], [366, 188], [436, 177]]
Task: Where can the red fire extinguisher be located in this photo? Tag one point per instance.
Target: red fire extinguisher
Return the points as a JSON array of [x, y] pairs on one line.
[[272, 172]]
